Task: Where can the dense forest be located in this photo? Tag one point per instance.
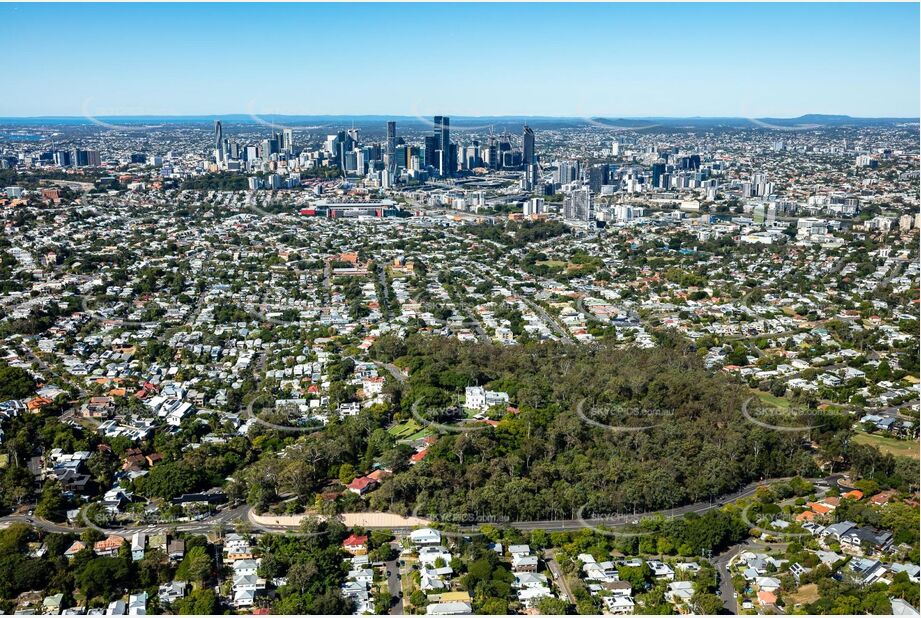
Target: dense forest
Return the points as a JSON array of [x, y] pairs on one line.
[[548, 459]]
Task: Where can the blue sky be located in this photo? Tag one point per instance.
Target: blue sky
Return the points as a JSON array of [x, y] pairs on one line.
[[461, 59]]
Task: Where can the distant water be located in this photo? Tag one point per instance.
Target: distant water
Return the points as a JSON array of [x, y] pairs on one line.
[[22, 137]]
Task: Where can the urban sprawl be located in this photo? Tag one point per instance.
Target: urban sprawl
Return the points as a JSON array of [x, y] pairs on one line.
[[424, 367]]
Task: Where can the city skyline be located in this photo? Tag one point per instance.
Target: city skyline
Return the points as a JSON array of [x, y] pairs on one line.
[[626, 60]]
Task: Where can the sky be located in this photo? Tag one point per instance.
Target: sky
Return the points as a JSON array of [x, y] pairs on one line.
[[581, 60]]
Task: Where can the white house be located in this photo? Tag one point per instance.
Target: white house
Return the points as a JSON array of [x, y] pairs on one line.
[[425, 536], [619, 604], [478, 398]]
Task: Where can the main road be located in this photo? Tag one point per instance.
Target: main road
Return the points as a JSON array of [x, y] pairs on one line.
[[231, 516]]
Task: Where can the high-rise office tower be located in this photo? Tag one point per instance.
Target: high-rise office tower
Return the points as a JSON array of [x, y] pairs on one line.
[[288, 140], [62, 158], [390, 147], [598, 177], [268, 148], [218, 141], [442, 132], [491, 153], [658, 170], [443, 143], [578, 206], [528, 146], [86, 158], [430, 146], [391, 137], [568, 172]]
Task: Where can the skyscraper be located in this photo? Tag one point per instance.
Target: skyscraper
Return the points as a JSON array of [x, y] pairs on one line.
[[288, 141], [658, 171], [528, 147], [578, 206], [430, 146], [391, 137], [390, 147], [568, 171], [443, 143], [598, 177], [218, 141], [86, 158], [442, 132]]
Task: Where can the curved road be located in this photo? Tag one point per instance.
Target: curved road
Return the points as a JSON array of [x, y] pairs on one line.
[[228, 516]]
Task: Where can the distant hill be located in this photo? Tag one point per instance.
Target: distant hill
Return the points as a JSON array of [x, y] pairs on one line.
[[498, 122]]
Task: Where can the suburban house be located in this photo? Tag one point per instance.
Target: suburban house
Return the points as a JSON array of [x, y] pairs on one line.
[[362, 485], [356, 545], [108, 546], [425, 536], [478, 398]]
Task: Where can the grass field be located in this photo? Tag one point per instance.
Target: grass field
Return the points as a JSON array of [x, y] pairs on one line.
[[404, 430], [805, 594], [770, 400], [422, 433], [900, 448]]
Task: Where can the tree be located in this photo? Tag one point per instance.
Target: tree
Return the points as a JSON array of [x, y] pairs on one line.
[[15, 383], [103, 577], [494, 606], [346, 473], [201, 602], [195, 566], [417, 598], [301, 574], [706, 603], [51, 504], [171, 479], [550, 606]]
